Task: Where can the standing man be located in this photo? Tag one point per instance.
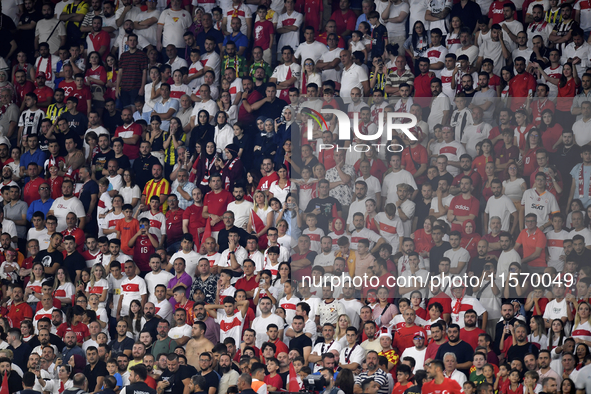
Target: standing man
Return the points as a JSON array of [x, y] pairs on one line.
[[354, 76], [130, 132], [286, 75], [172, 24], [131, 77]]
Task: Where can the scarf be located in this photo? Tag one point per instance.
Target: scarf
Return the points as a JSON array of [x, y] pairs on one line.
[[341, 231], [3, 109], [48, 69], [582, 182], [457, 306]]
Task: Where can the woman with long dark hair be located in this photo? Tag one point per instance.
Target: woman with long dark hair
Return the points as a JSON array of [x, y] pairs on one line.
[[232, 169], [417, 44], [551, 131], [568, 84], [206, 166], [202, 132]]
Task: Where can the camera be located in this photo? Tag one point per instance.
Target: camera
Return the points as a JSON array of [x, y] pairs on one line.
[[314, 383]]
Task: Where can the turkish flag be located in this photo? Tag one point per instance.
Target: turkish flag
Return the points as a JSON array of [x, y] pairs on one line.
[[4, 388], [257, 223], [293, 379], [206, 234]]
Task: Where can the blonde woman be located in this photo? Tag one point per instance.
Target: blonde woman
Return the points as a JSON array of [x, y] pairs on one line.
[[340, 334], [98, 284], [264, 215], [582, 326]]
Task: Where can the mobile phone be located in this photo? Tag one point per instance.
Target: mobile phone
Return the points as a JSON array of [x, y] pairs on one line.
[[142, 226]]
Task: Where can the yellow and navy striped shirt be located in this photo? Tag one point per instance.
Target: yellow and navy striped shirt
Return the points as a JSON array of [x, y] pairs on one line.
[[54, 112]]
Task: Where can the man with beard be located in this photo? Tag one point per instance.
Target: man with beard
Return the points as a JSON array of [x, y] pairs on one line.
[[455, 345], [523, 346], [470, 332], [71, 347], [50, 30], [438, 382], [212, 329], [137, 352], [138, 374], [246, 113], [241, 206], [55, 110], [502, 206], [98, 39], [229, 377], [198, 344], [19, 310], [151, 324], [209, 31], [164, 343], [142, 166], [105, 154], [212, 379], [234, 59], [175, 377], [66, 204], [438, 339], [260, 324], [130, 132], [522, 86]]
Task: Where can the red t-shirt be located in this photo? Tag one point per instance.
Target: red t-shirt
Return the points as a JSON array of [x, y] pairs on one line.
[[43, 94], [217, 204], [18, 313], [266, 181], [476, 180], [521, 86], [21, 91], [83, 95], [403, 338], [188, 307], [81, 331], [462, 207], [471, 337], [566, 94], [495, 11], [423, 86], [448, 386], [344, 21], [100, 39], [530, 243], [78, 235], [262, 34], [243, 114], [275, 381], [444, 300], [194, 215], [419, 155], [31, 190], [400, 389], [56, 304], [68, 87], [174, 225], [142, 251], [131, 151], [97, 74]]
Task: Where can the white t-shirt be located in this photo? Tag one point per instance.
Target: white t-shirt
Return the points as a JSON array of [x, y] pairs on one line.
[[157, 223], [417, 355], [40, 236], [179, 332], [502, 207], [152, 280], [175, 24], [241, 212], [131, 289], [435, 205], [260, 324], [455, 256], [312, 51], [352, 355], [556, 248], [61, 207], [327, 57], [230, 327], [164, 309], [542, 205], [191, 261], [557, 310], [352, 78], [392, 180]]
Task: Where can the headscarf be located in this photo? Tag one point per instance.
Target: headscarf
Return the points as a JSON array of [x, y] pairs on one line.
[[262, 119], [233, 149], [80, 363], [207, 156], [201, 133], [341, 231], [470, 241]]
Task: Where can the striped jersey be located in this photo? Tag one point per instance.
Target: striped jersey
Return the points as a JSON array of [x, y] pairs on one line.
[[30, 121], [157, 188], [54, 112]]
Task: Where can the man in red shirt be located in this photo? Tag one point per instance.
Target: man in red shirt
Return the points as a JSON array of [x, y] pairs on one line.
[[216, 203], [31, 191], [82, 93], [345, 19], [439, 383], [470, 332], [68, 84], [179, 294], [267, 180], [75, 231], [463, 206], [193, 221], [415, 159], [466, 167], [404, 337], [249, 97], [22, 87], [533, 241], [44, 93], [422, 83], [174, 223], [248, 283], [143, 245], [522, 86], [81, 330], [331, 27], [98, 40], [131, 133], [19, 310]]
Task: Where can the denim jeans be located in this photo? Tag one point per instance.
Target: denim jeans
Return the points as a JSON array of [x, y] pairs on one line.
[[127, 97]]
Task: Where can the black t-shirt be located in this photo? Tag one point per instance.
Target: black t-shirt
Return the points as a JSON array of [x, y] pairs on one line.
[[421, 211], [142, 167], [61, 140], [477, 265], [325, 205], [100, 369], [112, 122], [518, 352], [139, 388], [53, 339], [72, 262], [435, 256], [100, 161], [462, 350], [49, 259], [579, 259], [176, 379], [27, 37], [284, 378], [123, 162], [212, 379], [223, 237], [85, 196], [299, 343], [118, 348], [78, 123], [21, 355], [6, 27], [273, 110], [435, 181]]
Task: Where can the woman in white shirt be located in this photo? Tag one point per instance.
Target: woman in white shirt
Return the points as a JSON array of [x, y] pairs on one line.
[[224, 133], [152, 90], [98, 284], [582, 327], [63, 381], [130, 191], [538, 333], [309, 75], [63, 288], [514, 186]]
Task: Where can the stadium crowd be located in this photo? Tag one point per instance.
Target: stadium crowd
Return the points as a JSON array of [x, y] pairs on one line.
[[175, 206]]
